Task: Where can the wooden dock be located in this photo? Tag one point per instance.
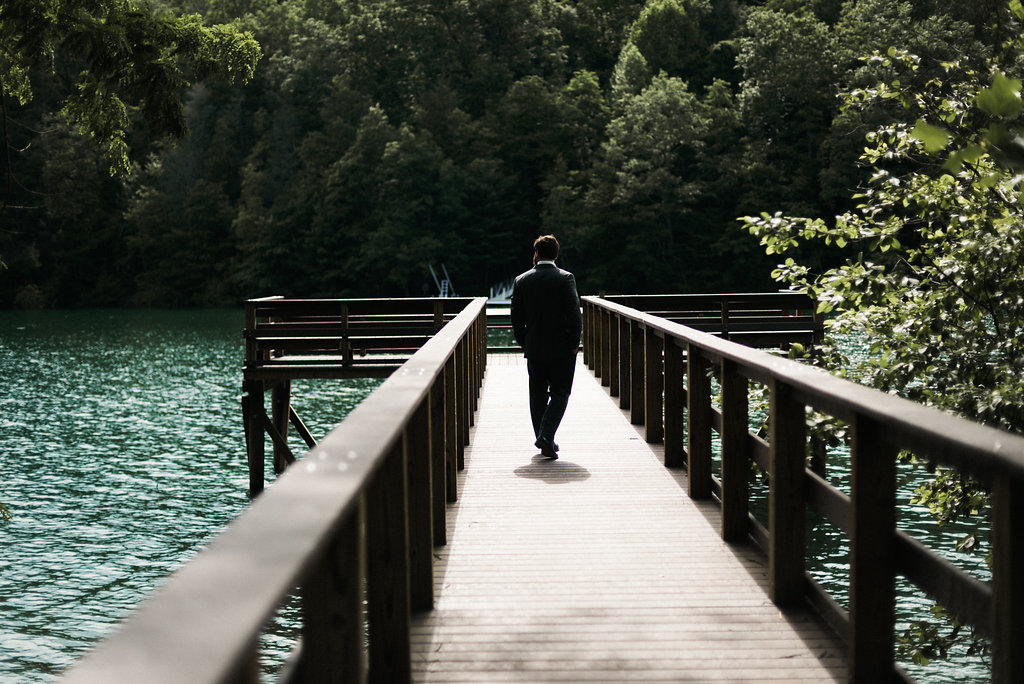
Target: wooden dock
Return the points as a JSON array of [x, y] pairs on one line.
[[597, 567]]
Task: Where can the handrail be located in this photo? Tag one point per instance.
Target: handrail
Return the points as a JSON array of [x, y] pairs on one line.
[[660, 368], [365, 506]]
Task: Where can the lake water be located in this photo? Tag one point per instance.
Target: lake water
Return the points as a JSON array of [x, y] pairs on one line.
[[122, 454]]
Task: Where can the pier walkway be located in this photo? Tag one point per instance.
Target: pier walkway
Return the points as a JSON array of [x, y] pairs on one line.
[[597, 567]]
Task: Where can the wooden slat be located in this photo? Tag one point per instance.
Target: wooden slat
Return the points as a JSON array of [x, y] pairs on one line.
[[597, 566]]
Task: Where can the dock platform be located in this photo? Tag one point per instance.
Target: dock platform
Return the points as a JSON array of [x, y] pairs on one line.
[[597, 567]]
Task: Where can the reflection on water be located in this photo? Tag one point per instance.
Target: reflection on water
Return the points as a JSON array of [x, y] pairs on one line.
[[121, 453]]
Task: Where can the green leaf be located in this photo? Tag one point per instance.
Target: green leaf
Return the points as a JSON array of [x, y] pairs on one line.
[[933, 137], [1002, 99]]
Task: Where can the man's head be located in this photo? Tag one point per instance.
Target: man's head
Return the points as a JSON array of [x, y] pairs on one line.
[[545, 248]]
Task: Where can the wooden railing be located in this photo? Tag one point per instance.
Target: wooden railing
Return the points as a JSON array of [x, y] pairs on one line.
[[356, 519], [290, 339], [660, 370]]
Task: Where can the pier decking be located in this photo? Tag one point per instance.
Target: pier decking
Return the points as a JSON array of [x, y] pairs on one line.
[[597, 566]]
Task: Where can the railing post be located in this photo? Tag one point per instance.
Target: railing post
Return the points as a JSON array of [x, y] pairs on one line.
[[698, 412], [421, 519], [735, 468], [675, 400], [636, 373], [614, 357], [654, 387], [625, 334], [588, 342], [387, 572], [437, 461], [872, 550], [1007, 582], [332, 604], [462, 385], [451, 431], [606, 348], [786, 507]]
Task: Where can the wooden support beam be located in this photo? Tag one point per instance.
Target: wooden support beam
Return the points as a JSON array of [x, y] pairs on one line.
[[636, 373], [387, 571], [332, 606], [735, 463], [654, 387], [698, 413], [451, 431], [786, 507], [872, 552], [438, 475], [421, 510], [301, 428], [675, 403], [1008, 585], [625, 334]]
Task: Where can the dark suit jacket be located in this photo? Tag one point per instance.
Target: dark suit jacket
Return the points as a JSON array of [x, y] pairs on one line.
[[546, 316]]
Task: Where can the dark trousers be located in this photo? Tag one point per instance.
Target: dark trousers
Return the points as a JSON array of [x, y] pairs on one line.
[[550, 384]]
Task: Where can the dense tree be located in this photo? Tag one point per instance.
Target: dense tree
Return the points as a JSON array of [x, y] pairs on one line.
[[442, 132]]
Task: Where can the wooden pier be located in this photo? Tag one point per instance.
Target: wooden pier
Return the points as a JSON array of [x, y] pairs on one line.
[[428, 541], [597, 567]]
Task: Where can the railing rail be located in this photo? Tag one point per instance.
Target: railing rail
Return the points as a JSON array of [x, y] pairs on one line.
[[364, 508], [659, 369]]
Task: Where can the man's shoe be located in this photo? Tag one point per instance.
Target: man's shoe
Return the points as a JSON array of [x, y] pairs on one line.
[[547, 447]]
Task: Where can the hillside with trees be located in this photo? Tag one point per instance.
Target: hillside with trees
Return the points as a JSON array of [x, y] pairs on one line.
[[377, 138]]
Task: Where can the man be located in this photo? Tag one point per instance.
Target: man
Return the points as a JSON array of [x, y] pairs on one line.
[[547, 324]]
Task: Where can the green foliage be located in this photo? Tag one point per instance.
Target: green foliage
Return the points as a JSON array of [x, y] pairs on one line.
[[130, 60], [932, 264]]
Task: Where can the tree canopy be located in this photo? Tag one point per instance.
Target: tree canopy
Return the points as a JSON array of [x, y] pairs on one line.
[[376, 139]]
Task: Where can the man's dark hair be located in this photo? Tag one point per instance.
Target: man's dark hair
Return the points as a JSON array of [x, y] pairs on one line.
[[545, 248]]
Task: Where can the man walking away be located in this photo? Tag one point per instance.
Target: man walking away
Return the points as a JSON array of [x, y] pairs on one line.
[[547, 324]]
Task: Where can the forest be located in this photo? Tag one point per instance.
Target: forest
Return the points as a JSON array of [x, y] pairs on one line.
[[377, 138]]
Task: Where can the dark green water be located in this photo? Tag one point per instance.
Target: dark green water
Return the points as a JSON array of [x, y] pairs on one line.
[[121, 454]]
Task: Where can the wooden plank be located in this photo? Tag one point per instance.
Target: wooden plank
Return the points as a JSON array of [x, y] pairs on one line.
[[597, 567]]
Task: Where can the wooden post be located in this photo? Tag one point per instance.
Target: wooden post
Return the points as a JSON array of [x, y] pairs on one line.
[[438, 476], [462, 426], [625, 361], [590, 335], [872, 549], [675, 401], [614, 357], [280, 406], [698, 412], [451, 431], [332, 604], [636, 373], [387, 572], [606, 348], [654, 387], [735, 467], [421, 510], [786, 507], [1007, 580], [255, 447]]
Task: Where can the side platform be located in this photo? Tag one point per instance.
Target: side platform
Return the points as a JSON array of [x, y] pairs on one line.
[[597, 566]]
